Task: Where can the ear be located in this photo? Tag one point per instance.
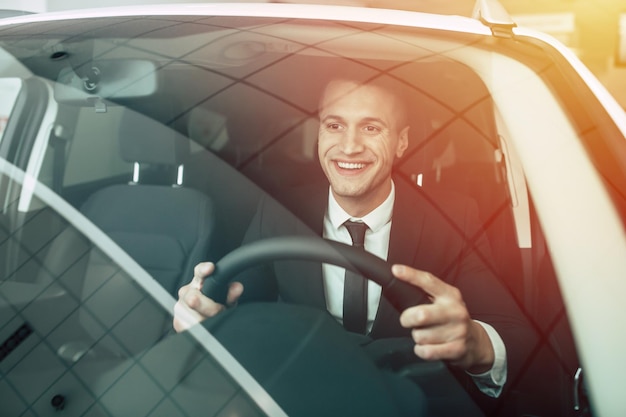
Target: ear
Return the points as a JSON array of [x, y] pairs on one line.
[[403, 142]]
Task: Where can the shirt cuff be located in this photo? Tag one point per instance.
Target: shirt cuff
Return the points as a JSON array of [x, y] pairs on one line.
[[492, 381]]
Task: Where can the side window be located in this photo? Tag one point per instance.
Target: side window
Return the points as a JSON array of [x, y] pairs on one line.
[[9, 89], [93, 155]]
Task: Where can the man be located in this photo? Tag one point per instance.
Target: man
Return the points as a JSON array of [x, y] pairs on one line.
[[363, 131]]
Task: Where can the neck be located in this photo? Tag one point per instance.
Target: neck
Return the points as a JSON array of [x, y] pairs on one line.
[[361, 205]]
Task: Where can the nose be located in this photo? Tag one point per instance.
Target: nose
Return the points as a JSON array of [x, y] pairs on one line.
[[352, 142]]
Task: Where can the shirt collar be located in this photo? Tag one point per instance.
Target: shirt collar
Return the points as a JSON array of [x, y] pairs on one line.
[[375, 219]]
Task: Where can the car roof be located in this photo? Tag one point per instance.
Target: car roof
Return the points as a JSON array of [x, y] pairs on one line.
[[281, 10]]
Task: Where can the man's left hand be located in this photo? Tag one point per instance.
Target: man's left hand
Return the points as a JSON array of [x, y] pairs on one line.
[[444, 330]]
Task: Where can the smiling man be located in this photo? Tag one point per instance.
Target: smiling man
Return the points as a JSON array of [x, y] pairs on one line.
[[471, 321], [362, 132]]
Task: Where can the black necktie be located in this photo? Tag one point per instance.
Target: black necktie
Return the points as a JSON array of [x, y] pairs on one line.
[[355, 286]]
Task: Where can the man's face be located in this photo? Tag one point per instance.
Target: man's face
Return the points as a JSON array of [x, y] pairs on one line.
[[359, 139]]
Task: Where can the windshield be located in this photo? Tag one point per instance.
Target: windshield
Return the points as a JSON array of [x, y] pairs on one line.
[[82, 324], [134, 148]]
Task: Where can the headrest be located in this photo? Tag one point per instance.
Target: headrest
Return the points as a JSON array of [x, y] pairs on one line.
[[145, 140]]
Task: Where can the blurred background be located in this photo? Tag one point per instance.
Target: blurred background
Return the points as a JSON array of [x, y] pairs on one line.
[[594, 29]]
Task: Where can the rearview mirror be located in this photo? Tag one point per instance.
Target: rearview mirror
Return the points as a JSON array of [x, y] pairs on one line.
[[107, 79]]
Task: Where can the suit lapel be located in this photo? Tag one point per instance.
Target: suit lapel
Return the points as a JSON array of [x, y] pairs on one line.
[[407, 222]]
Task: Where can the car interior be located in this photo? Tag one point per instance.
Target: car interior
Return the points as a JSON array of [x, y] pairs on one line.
[[171, 169]]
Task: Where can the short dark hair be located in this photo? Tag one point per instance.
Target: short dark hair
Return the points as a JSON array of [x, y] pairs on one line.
[[386, 83]]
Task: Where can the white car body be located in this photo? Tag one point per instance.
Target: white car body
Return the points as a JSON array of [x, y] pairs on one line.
[[584, 230]]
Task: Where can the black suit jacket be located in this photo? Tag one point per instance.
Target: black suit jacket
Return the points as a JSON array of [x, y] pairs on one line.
[[439, 233]]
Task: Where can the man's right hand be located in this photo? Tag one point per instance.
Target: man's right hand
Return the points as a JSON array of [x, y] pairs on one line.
[[193, 306]]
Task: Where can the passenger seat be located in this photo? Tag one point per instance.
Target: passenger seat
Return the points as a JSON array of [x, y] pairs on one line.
[[165, 227]]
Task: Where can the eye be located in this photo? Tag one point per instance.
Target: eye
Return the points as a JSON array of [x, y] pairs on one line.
[[333, 126], [371, 129]]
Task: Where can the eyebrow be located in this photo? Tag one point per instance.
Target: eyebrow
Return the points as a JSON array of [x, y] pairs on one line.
[[375, 120], [365, 120]]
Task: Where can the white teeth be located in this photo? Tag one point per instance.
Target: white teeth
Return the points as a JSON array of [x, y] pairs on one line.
[[350, 165]]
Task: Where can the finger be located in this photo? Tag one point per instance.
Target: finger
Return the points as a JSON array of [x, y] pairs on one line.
[[421, 316], [200, 272], [450, 351], [439, 334], [183, 290], [429, 283], [202, 304], [442, 312], [185, 317], [235, 290]]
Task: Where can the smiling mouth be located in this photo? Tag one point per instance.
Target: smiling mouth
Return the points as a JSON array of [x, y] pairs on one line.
[[351, 165]]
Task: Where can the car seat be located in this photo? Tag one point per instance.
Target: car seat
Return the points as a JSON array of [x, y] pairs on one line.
[[166, 228]]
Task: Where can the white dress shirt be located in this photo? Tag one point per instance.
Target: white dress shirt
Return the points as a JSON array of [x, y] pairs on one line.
[[377, 243]]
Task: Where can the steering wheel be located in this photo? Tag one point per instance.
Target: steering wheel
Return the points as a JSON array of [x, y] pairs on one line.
[[400, 294], [396, 355]]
